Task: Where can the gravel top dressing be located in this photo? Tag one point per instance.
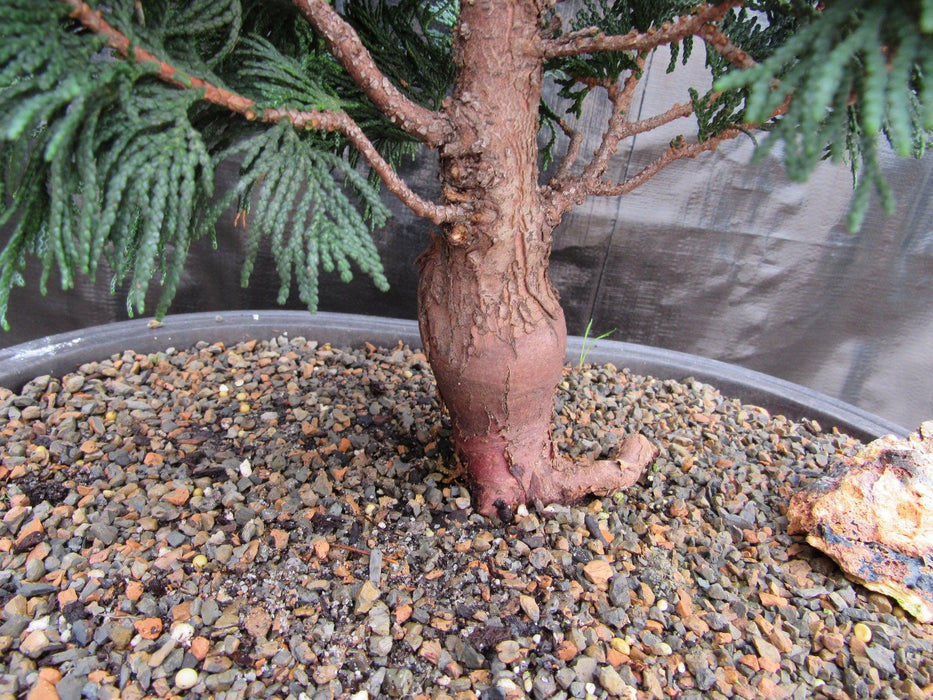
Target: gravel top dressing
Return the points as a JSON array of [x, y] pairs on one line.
[[284, 520]]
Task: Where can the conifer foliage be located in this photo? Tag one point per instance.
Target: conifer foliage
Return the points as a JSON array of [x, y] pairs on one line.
[[114, 116], [102, 157], [856, 72]]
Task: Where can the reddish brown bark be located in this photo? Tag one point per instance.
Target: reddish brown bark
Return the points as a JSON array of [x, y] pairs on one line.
[[342, 41], [490, 320]]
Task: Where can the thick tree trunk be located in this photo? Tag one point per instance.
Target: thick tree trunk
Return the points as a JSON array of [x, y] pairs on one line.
[[490, 320]]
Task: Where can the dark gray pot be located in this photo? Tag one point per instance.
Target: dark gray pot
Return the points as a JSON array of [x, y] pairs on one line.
[[60, 354]]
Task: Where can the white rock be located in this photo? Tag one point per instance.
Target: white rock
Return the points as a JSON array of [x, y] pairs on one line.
[[246, 469], [186, 678], [182, 632]]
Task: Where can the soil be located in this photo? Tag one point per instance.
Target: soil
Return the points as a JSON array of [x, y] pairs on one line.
[[283, 519]]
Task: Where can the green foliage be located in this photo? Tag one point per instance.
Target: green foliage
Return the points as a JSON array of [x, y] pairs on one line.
[[845, 76], [82, 173], [577, 76], [410, 41], [716, 112], [277, 80], [758, 29], [198, 35], [291, 194], [101, 159], [589, 343]]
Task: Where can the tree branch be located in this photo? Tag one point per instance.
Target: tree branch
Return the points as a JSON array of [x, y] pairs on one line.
[[432, 128], [678, 150], [621, 101], [577, 187], [567, 191], [677, 111], [720, 43], [592, 40], [571, 192], [323, 120], [573, 152]]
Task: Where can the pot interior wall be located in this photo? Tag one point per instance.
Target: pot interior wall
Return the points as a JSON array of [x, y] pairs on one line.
[[64, 352]]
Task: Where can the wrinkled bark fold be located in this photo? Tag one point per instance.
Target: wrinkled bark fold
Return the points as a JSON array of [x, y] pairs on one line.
[[490, 320]]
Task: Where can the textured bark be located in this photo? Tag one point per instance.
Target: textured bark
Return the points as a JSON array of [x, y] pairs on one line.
[[490, 320]]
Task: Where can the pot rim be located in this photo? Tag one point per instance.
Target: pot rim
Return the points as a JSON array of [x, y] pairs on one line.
[[64, 352]]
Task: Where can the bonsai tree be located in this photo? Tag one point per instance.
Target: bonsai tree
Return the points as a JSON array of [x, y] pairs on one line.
[[115, 115]]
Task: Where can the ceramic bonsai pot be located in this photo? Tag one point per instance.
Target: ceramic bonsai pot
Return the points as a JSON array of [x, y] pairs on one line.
[[59, 354]]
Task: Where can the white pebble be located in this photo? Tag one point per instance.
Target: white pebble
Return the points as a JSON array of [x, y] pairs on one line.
[[182, 632], [246, 469], [507, 686], [40, 623], [186, 678]]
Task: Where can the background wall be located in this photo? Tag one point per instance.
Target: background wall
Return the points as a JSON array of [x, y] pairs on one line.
[[715, 256]]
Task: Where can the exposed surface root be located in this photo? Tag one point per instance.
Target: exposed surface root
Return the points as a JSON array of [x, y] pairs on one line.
[[562, 480], [600, 477]]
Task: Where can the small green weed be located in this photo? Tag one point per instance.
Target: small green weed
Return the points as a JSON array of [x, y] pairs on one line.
[[589, 343]]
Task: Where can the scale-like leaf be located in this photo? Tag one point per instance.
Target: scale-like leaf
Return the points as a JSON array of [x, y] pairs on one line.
[[854, 70], [101, 159]]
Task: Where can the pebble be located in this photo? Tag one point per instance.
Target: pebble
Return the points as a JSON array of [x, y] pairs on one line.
[[598, 571], [509, 651], [612, 682], [367, 596], [379, 620], [380, 646], [186, 678], [585, 668], [530, 607], [161, 654], [35, 644], [303, 530], [862, 632]]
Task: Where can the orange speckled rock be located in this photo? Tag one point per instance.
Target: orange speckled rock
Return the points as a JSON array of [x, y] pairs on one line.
[[873, 514]]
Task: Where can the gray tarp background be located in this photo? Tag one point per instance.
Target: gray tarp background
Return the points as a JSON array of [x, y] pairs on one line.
[[714, 256]]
